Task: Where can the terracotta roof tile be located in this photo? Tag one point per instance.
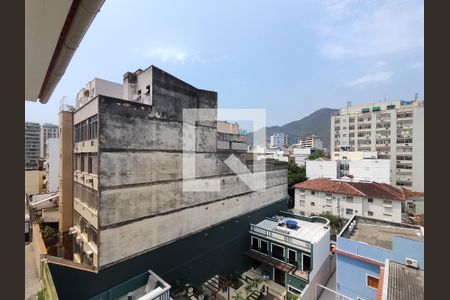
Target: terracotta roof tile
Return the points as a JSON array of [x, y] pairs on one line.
[[366, 189]]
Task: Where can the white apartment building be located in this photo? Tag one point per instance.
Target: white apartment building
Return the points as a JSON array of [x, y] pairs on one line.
[[322, 169], [97, 87], [300, 155], [48, 131], [394, 129], [52, 165], [311, 141], [354, 155], [279, 140], [347, 198]]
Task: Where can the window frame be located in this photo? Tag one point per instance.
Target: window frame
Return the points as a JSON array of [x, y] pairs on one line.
[[367, 281]]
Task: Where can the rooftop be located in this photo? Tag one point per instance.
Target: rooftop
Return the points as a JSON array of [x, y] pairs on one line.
[[356, 188], [380, 233], [310, 231], [403, 282]]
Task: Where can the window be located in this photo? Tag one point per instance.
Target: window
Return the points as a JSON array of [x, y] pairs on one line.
[[349, 199], [278, 252], [372, 281], [370, 200], [255, 244], [94, 163], [82, 163], [349, 211], [302, 203], [306, 262], [370, 213], [292, 257], [313, 204], [264, 247], [313, 192]]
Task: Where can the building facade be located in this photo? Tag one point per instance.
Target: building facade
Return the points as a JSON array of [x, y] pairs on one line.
[[127, 178], [322, 169], [394, 129], [52, 165], [32, 145], [311, 141], [347, 198], [279, 140], [97, 87], [48, 131], [290, 249], [35, 182], [362, 248]]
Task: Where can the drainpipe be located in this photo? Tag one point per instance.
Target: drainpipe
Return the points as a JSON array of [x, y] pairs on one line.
[[79, 18]]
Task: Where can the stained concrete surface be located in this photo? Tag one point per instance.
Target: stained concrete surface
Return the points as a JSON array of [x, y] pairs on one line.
[[32, 284]]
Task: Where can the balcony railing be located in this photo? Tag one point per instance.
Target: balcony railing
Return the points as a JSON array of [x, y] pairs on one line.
[[280, 236]]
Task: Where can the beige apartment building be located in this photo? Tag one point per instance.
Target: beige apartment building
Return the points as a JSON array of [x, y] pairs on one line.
[[394, 129]]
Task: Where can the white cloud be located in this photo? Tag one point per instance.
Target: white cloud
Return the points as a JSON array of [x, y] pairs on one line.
[[374, 78], [169, 54], [371, 28], [417, 65]]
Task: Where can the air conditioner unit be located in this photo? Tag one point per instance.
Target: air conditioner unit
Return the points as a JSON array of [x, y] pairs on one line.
[[72, 230], [411, 262], [89, 253], [79, 240]]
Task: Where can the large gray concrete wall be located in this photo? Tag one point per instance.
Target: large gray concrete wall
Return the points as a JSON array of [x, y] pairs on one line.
[[119, 243]]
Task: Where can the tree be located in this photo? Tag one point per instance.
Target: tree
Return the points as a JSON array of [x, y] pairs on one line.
[[316, 155], [336, 222], [296, 174]]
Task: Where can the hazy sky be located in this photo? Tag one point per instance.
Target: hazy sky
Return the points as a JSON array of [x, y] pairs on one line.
[[290, 57]]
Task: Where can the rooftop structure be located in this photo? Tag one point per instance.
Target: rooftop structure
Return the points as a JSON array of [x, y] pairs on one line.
[[363, 247], [402, 282], [290, 249]]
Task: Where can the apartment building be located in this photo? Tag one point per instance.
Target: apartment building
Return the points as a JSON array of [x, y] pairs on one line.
[[347, 198], [48, 131], [279, 140], [290, 250], [365, 249], [97, 87], [32, 145], [394, 129], [129, 203], [51, 165], [311, 141]]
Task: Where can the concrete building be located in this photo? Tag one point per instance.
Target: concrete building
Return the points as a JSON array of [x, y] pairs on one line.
[[51, 165], [320, 168], [311, 141], [32, 145], [128, 172], [227, 127], [378, 170], [35, 182], [48, 131], [300, 155], [97, 87], [279, 140], [353, 155], [347, 198], [362, 248], [290, 249], [394, 129]]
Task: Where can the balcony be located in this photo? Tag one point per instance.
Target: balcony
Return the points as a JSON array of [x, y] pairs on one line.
[[280, 236], [146, 286]]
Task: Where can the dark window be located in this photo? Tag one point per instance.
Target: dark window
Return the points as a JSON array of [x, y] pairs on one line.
[[89, 168], [313, 192], [278, 252], [306, 263], [255, 244], [264, 247], [370, 213], [372, 281], [370, 200], [82, 162], [292, 257]]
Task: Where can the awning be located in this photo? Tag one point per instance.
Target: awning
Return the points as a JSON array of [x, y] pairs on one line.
[[271, 261]]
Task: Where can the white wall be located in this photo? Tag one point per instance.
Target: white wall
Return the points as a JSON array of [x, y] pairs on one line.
[[338, 205], [378, 170], [418, 150], [321, 168], [52, 164], [321, 251]]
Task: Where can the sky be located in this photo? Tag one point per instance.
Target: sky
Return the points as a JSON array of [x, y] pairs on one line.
[[289, 57]]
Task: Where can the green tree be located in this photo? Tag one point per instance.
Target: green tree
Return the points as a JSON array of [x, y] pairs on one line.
[[296, 174], [336, 222], [316, 155]]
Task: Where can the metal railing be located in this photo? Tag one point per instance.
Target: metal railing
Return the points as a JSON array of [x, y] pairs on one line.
[[280, 236]]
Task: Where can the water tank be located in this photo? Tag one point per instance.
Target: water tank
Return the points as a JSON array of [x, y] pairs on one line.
[[291, 224]]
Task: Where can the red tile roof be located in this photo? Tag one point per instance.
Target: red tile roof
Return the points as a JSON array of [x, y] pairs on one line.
[[364, 189]]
